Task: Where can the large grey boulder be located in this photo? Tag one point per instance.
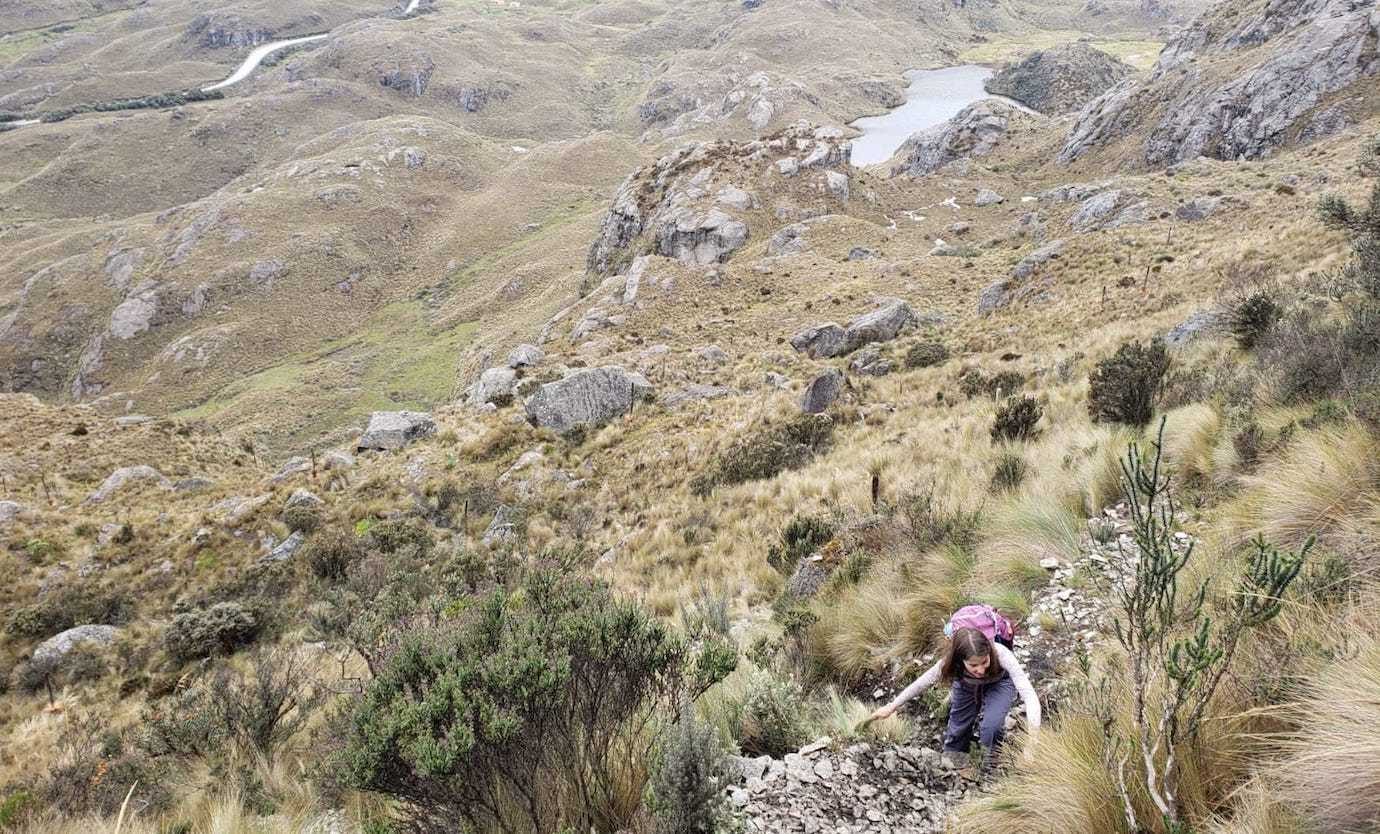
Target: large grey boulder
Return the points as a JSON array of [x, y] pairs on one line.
[[1060, 80], [10, 511], [493, 386], [51, 652], [1199, 208], [389, 430], [1201, 324], [1096, 209], [881, 325], [995, 296], [700, 238], [1238, 83], [286, 550], [975, 131], [822, 391], [822, 341], [526, 356], [125, 476], [1036, 260], [590, 397]]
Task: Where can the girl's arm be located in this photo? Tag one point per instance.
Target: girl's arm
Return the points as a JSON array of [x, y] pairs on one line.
[[1013, 668], [917, 686]]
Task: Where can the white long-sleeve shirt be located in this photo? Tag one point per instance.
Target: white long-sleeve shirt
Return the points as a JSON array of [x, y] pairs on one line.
[[1007, 661]]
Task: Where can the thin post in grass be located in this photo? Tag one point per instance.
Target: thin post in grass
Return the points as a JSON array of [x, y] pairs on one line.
[[1188, 663]]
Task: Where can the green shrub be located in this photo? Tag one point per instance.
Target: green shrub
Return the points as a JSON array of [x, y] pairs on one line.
[[330, 553], [304, 517], [771, 719], [1253, 318], [94, 772], [686, 794], [802, 536], [546, 690], [767, 452], [15, 808], [219, 629], [1009, 472], [394, 535], [974, 383], [927, 521], [1016, 419], [68, 606], [1124, 387], [926, 354]]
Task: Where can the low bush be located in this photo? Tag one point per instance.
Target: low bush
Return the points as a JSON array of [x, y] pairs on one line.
[[304, 517], [926, 520], [396, 535], [331, 552], [926, 354], [771, 720], [1253, 317], [974, 383], [767, 452], [548, 691], [220, 629], [802, 536], [68, 606], [1124, 387], [1016, 419]]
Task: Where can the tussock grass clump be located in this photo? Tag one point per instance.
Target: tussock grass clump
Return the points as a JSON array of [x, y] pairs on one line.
[[767, 452], [1333, 752], [1008, 472], [801, 536]]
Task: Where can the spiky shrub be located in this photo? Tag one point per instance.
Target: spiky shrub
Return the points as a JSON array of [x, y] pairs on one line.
[[1253, 318], [686, 794], [219, 629], [1173, 672], [528, 709], [801, 536], [926, 354], [1016, 419], [1123, 388], [767, 452], [974, 383]]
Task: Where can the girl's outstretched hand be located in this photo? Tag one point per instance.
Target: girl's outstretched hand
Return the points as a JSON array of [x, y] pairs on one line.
[[882, 712]]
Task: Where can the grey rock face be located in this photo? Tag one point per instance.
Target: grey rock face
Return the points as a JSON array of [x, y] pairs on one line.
[[870, 362], [861, 253], [988, 197], [390, 430], [822, 391], [693, 392], [590, 397], [1060, 80], [286, 550], [619, 229], [302, 498], [11, 510], [526, 356], [52, 651], [1033, 262], [124, 476], [493, 386], [502, 528], [1197, 101], [822, 341], [339, 461], [1199, 208], [1096, 209], [881, 325], [995, 296], [975, 131], [701, 239], [1201, 324]]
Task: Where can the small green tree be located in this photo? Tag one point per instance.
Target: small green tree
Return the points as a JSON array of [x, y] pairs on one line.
[[1123, 387], [1175, 671], [686, 794]]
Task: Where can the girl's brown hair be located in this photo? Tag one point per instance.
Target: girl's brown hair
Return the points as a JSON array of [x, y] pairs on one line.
[[965, 644]]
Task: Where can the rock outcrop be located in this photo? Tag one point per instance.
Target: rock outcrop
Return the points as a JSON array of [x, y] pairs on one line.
[[590, 397], [123, 477], [1060, 80], [822, 391], [390, 430], [1243, 80], [685, 206], [827, 340], [495, 386], [975, 131], [51, 652]]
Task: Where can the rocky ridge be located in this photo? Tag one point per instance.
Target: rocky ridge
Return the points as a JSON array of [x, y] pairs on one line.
[[1060, 80]]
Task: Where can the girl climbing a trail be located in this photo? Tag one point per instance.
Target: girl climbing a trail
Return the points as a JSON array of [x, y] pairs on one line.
[[984, 677]]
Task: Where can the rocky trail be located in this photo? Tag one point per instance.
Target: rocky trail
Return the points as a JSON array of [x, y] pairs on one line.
[[910, 788]]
